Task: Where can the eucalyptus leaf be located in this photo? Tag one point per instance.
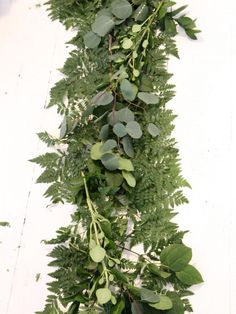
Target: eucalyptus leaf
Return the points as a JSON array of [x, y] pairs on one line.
[[129, 178], [189, 276], [102, 25], [122, 9], [119, 129], [125, 164], [127, 43], [110, 161], [114, 179], [97, 253], [95, 152], [164, 303], [153, 130], [113, 117], [103, 98], [103, 295], [103, 135], [91, 40], [125, 115], [134, 130], [176, 256], [104, 12], [128, 146], [148, 98], [128, 90], [108, 145]]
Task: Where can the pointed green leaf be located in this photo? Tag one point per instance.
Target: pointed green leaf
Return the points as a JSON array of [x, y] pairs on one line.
[[91, 40], [128, 90], [103, 25], [128, 146], [170, 27], [125, 115], [148, 98], [103, 295], [103, 98], [134, 130], [189, 276], [119, 129], [154, 269], [119, 307], [176, 256], [130, 179], [110, 161], [97, 253], [153, 130], [122, 9], [125, 164], [164, 303], [96, 153], [108, 145], [149, 296], [63, 128], [178, 307], [141, 13]]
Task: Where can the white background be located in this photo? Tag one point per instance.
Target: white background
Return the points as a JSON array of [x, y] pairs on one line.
[[31, 50]]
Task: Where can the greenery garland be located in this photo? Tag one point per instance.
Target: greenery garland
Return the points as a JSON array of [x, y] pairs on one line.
[[116, 162]]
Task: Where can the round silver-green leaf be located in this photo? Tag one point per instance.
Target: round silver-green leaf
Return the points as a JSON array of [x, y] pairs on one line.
[[122, 9], [128, 90], [103, 135], [97, 253], [153, 130], [95, 152], [125, 115], [128, 146], [125, 164], [148, 98], [108, 145], [149, 296], [110, 161], [129, 178], [103, 98], [102, 25], [91, 40], [119, 129], [134, 130]]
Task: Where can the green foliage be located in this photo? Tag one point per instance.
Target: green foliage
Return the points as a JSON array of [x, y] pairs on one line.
[[117, 163]]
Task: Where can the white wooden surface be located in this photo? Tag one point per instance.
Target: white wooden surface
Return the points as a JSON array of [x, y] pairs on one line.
[[31, 49]]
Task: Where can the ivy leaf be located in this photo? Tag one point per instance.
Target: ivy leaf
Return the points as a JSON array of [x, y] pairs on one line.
[[153, 130], [176, 256], [164, 303], [103, 98], [128, 147], [103, 295], [125, 115], [149, 296], [148, 98], [95, 152], [157, 271], [91, 40], [189, 276], [108, 145], [128, 90], [129, 178], [110, 161], [122, 9], [134, 130], [103, 25], [119, 129], [97, 253], [103, 135], [125, 164], [141, 13]]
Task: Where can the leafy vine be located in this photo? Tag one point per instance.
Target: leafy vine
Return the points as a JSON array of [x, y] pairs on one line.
[[116, 161]]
